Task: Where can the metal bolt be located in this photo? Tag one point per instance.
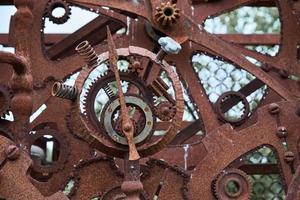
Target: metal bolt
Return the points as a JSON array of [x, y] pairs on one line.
[[274, 108], [168, 46], [283, 74], [289, 156], [281, 132], [266, 67], [12, 152]]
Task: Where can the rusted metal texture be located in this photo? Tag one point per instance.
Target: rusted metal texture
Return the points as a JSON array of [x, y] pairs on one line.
[[120, 130]]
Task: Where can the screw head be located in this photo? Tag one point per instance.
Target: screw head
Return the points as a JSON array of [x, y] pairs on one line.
[[289, 156], [274, 109], [266, 67], [281, 132], [283, 74], [12, 152]]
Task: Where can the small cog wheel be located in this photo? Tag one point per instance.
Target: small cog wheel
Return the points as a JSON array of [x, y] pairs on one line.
[[232, 184], [167, 14], [165, 111], [52, 5]]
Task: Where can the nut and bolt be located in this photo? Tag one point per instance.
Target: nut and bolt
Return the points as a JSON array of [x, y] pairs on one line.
[[12, 152], [274, 108], [281, 132], [168, 46]]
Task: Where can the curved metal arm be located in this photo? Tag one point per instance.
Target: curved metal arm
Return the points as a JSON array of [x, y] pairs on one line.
[[18, 63]]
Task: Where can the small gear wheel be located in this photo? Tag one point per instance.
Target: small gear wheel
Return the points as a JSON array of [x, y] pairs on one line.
[[52, 5], [167, 14], [224, 103], [232, 184], [165, 111], [5, 99], [135, 66]]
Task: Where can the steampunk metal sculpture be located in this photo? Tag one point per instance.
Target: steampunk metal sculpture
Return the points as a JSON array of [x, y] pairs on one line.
[[137, 145]]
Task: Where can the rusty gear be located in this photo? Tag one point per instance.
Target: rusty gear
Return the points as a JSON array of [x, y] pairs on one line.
[[232, 184], [229, 99], [92, 166], [219, 147], [167, 14], [103, 83], [165, 111], [5, 99], [52, 5], [117, 194]]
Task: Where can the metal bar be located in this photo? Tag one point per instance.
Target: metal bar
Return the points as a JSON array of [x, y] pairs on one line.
[[264, 3], [187, 132], [260, 168], [93, 32], [251, 39], [6, 2]]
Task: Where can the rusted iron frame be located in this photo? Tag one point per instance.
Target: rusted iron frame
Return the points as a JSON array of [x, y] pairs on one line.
[[91, 31], [266, 3], [242, 39]]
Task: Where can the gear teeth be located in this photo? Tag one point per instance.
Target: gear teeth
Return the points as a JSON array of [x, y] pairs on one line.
[[52, 4], [217, 184]]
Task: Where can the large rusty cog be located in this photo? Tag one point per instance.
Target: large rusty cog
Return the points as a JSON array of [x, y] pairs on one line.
[[87, 173], [101, 83], [239, 181], [163, 180], [5, 99], [117, 194], [52, 5], [89, 131]]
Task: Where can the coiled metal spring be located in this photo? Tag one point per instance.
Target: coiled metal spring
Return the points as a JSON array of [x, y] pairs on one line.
[[88, 53], [64, 91], [109, 91]]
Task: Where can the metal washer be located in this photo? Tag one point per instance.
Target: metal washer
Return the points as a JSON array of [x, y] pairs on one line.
[[138, 102]]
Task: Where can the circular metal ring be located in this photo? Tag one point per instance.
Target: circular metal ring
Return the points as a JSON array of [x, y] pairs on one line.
[[224, 103], [52, 5], [232, 184], [108, 114]]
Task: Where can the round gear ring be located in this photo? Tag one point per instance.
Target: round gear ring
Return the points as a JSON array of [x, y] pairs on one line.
[[52, 5], [134, 101], [232, 184], [5, 99], [223, 104], [63, 150]]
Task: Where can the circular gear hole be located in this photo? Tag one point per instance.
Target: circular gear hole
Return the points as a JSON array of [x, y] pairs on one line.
[[233, 188], [58, 12], [46, 150], [168, 11]]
